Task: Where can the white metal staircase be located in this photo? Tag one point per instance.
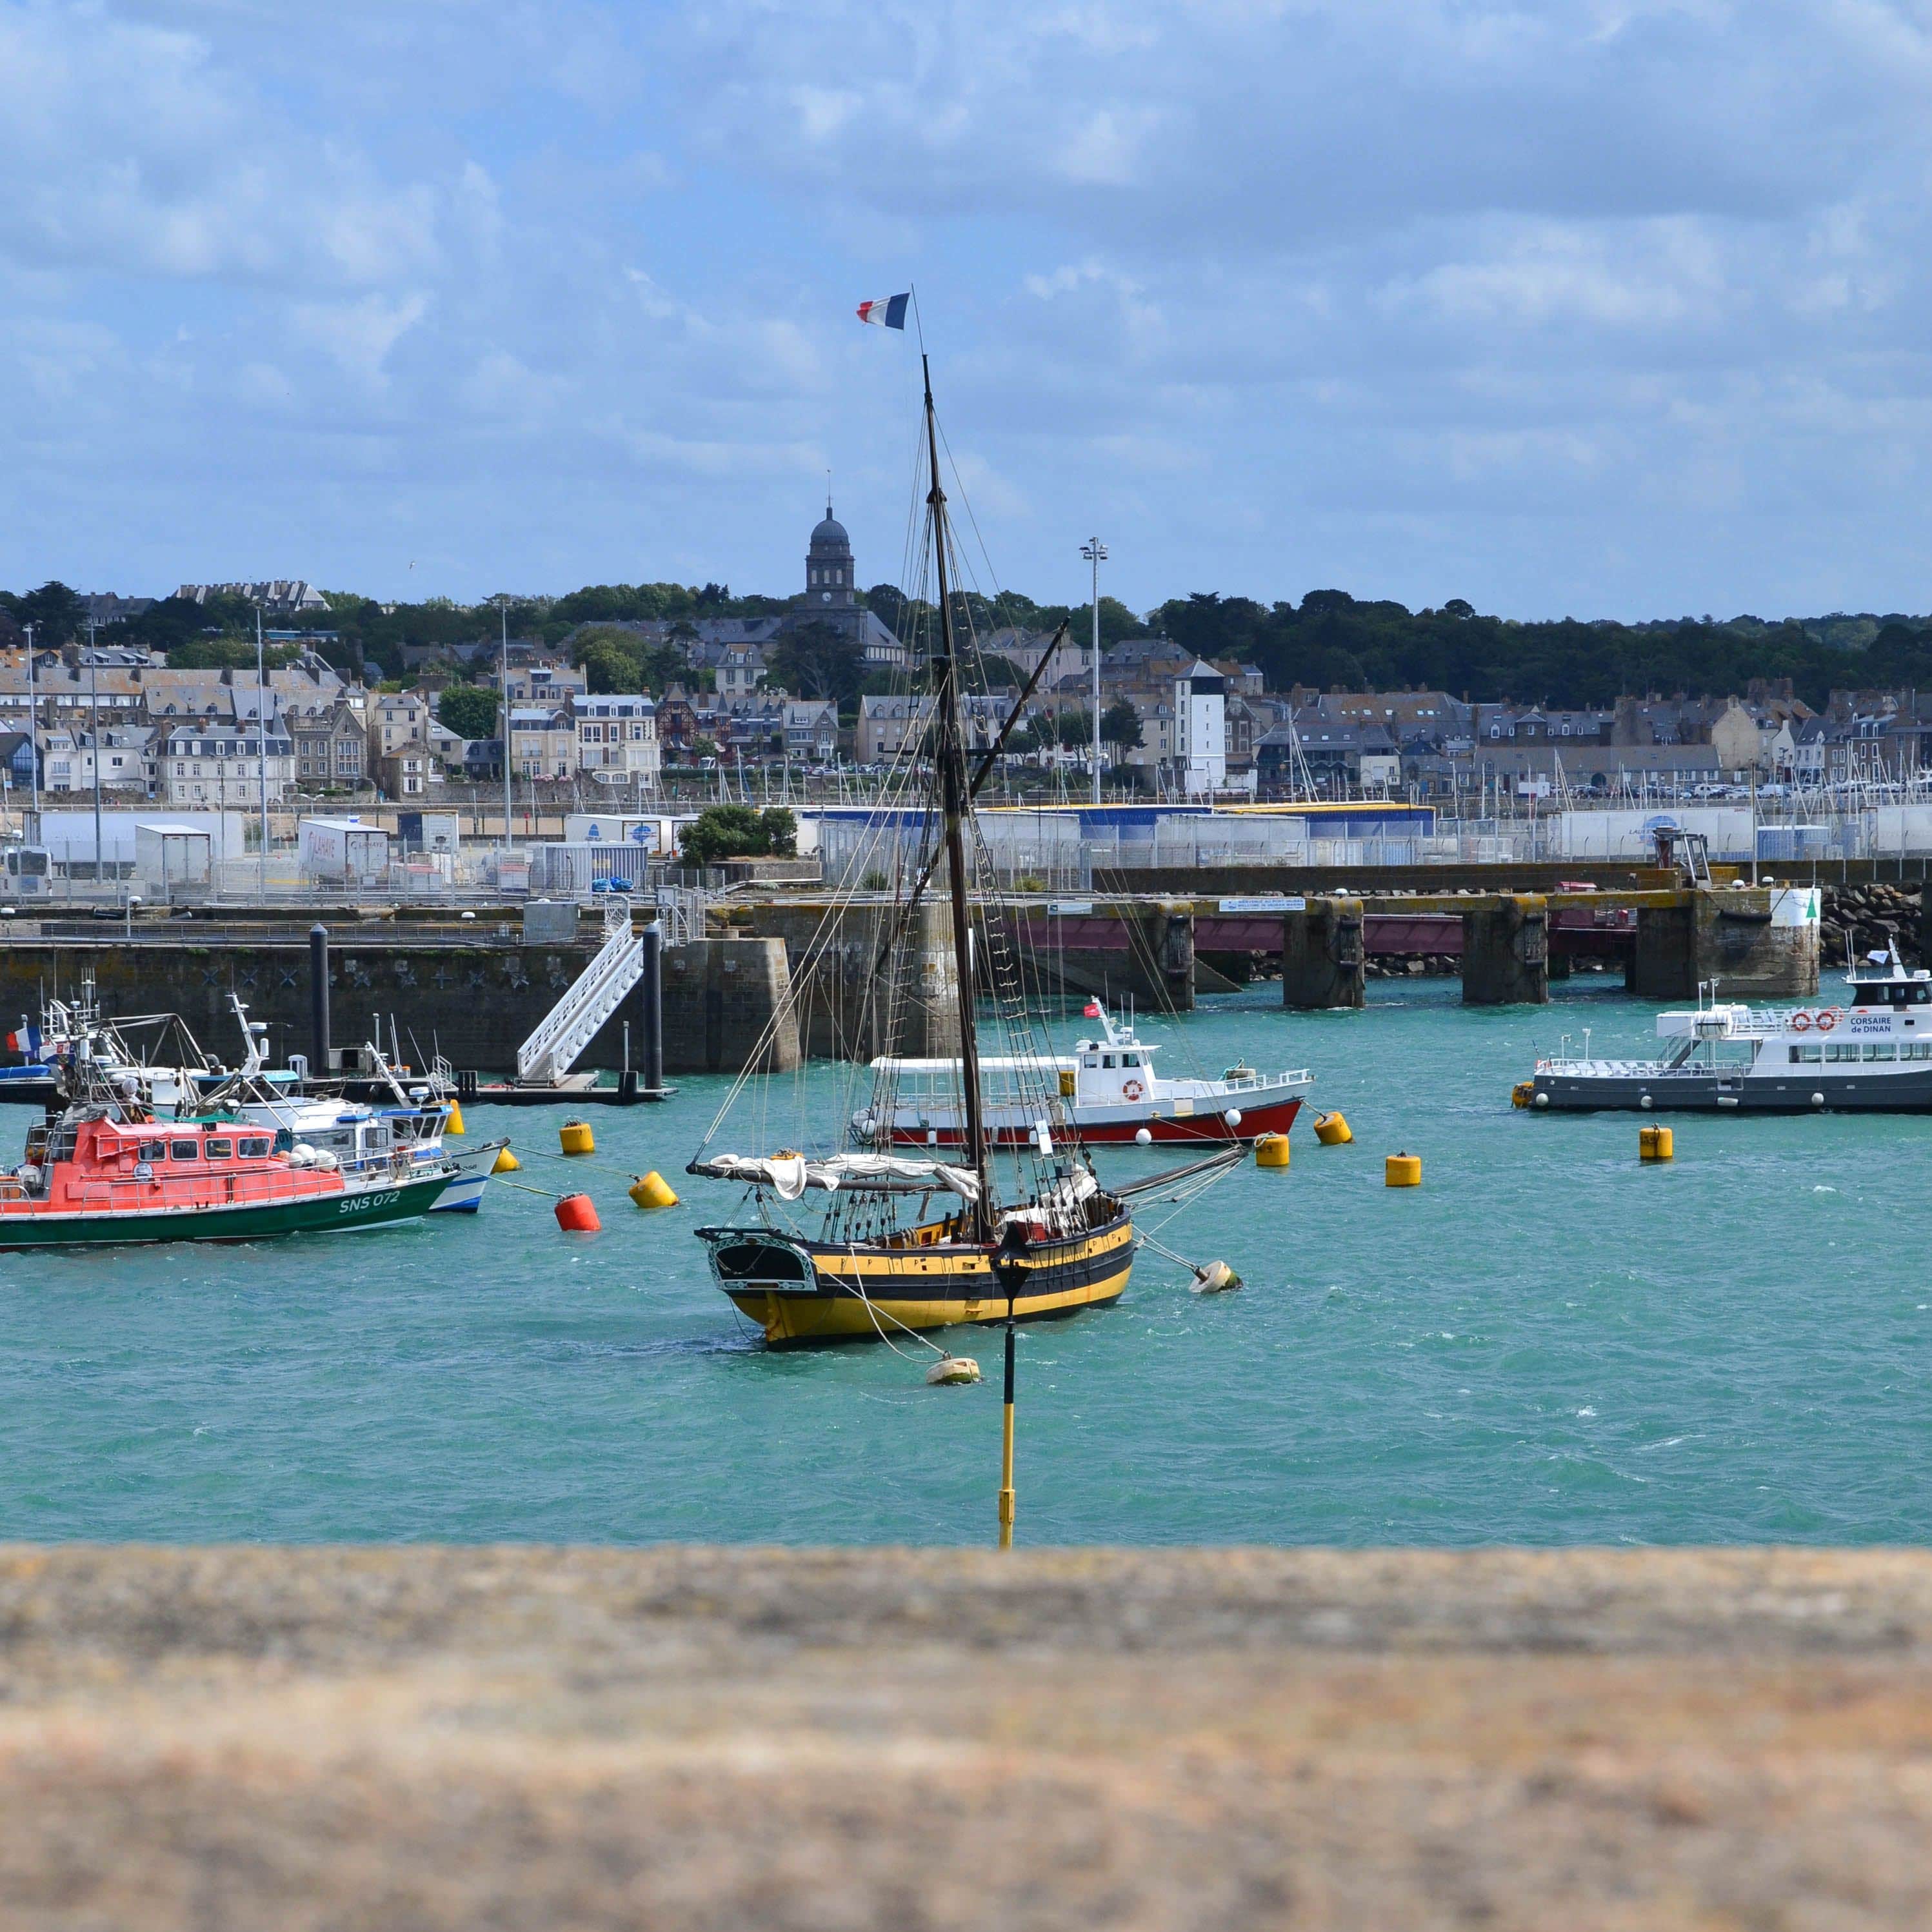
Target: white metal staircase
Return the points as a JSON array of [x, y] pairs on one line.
[[573, 1023]]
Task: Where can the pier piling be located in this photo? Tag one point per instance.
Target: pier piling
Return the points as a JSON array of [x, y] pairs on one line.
[[318, 999], [650, 1010], [1324, 957], [1746, 943], [1506, 952]]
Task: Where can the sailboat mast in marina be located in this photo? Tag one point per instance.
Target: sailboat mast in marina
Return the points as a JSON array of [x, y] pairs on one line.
[[1045, 1238]]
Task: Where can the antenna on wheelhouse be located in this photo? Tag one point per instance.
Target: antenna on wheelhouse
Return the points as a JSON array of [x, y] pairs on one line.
[[951, 760]]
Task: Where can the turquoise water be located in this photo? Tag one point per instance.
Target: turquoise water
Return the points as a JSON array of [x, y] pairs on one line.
[[1546, 1343]]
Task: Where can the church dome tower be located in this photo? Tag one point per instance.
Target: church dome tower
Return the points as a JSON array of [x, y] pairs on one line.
[[829, 587]]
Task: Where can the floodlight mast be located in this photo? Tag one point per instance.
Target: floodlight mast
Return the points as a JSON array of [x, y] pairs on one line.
[[1095, 552]]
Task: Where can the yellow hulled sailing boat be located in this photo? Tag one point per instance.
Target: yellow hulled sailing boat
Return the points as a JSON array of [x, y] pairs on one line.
[[851, 1241]]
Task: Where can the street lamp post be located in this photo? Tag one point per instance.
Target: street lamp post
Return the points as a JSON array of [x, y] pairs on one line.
[[1095, 552], [33, 734], [503, 712], [262, 746], [94, 736]]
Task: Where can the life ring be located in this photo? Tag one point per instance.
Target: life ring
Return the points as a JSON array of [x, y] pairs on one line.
[[1133, 1090], [1830, 1017], [1801, 1022]]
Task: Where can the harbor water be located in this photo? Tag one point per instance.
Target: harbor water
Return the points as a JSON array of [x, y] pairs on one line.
[[1546, 1342]]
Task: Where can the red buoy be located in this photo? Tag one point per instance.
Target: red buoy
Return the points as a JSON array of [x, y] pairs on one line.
[[576, 1216]]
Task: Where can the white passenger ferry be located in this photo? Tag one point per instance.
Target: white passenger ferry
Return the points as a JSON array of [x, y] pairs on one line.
[[1872, 1054]]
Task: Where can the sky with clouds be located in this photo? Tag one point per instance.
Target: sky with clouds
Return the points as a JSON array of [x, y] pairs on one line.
[[1605, 307]]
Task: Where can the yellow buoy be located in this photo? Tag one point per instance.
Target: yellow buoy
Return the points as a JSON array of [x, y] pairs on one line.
[[454, 1125], [506, 1162], [1522, 1093], [1216, 1278], [575, 1137], [1655, 1144], [653, 1190], [1271, 1150], [1402, 1170], [1331, 1130]]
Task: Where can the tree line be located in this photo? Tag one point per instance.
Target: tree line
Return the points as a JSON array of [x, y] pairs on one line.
[[1329, 640]]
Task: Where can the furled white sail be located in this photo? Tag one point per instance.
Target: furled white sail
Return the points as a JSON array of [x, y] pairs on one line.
[[788, 1175]]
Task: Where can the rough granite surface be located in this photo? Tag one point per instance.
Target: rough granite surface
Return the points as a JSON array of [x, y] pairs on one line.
[[425, 1737]]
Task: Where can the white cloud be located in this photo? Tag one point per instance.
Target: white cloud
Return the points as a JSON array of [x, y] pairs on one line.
[[1656, 277], [1275, 292], [358, 335], [130, 149]]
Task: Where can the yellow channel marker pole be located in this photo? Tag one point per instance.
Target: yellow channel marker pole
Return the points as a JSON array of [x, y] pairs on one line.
[[1006, 1444]]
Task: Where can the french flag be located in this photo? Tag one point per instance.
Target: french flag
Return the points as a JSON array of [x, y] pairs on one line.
[[26, 1041], [888, 312]]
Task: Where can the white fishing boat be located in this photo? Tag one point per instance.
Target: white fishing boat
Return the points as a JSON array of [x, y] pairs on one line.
[[1109, 1088], [1870, 1053]]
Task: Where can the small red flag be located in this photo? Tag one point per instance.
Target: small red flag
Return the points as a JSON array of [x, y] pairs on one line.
[[1093, 1010]]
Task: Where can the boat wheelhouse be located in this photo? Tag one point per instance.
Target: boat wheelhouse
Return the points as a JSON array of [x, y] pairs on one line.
[[1871, 1053]]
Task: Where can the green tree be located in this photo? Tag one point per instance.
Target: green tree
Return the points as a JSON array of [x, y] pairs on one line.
[[228, 653], [621, 660], [1075, 730], [1121, 726], [56, 612], [468, 710], [817, 660], [721, 831]]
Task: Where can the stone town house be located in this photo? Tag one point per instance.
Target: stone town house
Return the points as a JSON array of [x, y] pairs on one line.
[[217, 766], [543, 742], [331, 751], [617, 738]]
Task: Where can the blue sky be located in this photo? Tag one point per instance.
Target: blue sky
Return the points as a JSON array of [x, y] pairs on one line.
[[1614, 307]]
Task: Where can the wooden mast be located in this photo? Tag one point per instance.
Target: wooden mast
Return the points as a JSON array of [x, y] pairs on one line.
[[950, 753]]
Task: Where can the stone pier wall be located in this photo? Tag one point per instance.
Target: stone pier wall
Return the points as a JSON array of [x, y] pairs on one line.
[[848, 1010], [475, 1004]]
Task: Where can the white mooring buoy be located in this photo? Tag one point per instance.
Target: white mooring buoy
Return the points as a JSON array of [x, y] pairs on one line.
[[951, 1369]]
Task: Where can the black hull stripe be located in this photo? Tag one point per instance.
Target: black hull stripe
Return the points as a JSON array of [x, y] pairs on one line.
[[978, 1286]]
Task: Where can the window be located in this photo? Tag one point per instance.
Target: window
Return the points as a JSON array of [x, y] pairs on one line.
[[1106, 1060], [1801, 1055], [253, 1150], [185, 1149], [153, 1149], [1916, 1049], [1130, 1060], [1842, 1050], [1880, 1050]]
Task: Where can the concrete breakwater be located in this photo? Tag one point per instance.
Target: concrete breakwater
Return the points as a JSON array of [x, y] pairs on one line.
[[795, 975], [424, 1738], [472, 1000]]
